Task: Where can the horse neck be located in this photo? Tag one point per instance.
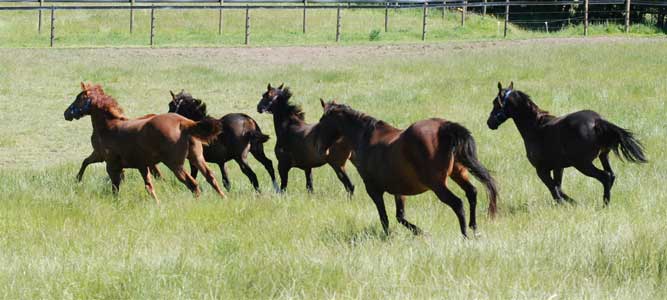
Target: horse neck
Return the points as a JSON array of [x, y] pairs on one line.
[[528, 123], [282, 119], [103, 120], [358, 131]]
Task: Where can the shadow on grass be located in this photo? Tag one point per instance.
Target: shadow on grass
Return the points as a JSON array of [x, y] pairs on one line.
[[351, 234]]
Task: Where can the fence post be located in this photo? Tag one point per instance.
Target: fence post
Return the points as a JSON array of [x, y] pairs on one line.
[[484, 9], [39, 22], [247, 25], [53, 24], [131, 16], [386, 16], [585, 17], [464, 10], [546, 25], [507, 16], [444, 4], [424, 20], [220, 17], [305, 2], [338, 24], [152, 25], [627, 16]]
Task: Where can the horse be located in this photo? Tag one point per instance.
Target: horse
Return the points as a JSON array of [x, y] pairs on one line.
[[146, 141], [98, 156], [573, 140], [240, 135], [409, 161], [296, 140]]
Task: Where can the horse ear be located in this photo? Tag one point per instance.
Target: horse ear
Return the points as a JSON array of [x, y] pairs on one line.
[[500, 86], [511, 87], [281, 86], [173, 97], [333, 101], [268, 88], [83, 86], [324, 105]]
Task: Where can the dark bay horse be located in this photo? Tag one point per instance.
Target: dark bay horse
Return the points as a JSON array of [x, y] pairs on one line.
[[143, 142], [240, 135], [296, 140], [410, 161], [573, 140]]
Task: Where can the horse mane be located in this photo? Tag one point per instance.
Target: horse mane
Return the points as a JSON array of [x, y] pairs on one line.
[[195, 104], [542, 115], [367, 120], [291, 108], [104, 102]]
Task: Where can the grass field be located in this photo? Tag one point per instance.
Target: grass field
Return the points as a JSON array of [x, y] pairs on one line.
[[63, 240], [270, 28]]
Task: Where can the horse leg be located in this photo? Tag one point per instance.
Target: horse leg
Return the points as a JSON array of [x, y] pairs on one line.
[[146, 175], [461, 178], [245, 168], [115, 174], [225, 176], [604, 159], [186, 179], [258, 152], [558, 179], [379, 204], [155, 171], [283, 171], [94, 157], [309, 179], [193, 171], [447, 197], [603, 177], [342, 176], [198, 161], [400, 215], [545, 176]]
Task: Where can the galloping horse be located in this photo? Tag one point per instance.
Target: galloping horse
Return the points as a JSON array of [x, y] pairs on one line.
[[296, 140], [143, 142], [98, 156], [410, 161], [240, 135], [573, 140]]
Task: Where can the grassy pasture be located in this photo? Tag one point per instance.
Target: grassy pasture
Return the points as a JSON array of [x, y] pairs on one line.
[[95, 28], [63, 240]]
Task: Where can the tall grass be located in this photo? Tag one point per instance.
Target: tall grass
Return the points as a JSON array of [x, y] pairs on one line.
[[60, 239]]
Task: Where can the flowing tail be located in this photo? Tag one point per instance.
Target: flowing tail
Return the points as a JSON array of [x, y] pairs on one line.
[[465, 151], [621, 141], [257, 138], [206, 130]]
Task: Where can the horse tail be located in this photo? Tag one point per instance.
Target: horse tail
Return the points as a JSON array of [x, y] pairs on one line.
[[621, 141], [465, 151], [206, 130], [256, 136]]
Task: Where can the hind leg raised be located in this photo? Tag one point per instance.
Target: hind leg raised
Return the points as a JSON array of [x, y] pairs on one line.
[[545, 176], [185, 178], [400, 215], [225, 176], [245, 168], [603, 177], [447, 197], [460, 176], [604, 159], [199, 163]]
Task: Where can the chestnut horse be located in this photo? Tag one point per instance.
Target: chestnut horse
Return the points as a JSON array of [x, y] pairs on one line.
[[240, 135], [410, 161], [98, 156], [143, 142], [296, 140], [573, 140]]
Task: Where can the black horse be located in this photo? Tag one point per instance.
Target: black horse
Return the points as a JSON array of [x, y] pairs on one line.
[[296, 144], [240, 135], [573, 140]]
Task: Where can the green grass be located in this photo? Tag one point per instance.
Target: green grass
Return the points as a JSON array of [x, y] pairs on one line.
[[63, 240], [95, 28]]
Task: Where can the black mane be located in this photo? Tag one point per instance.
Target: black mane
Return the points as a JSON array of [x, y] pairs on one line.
[[191, 106], [367, 120], [290, 108], [528, 102]]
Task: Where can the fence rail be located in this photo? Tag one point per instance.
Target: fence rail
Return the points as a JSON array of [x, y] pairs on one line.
[[247, 5]]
